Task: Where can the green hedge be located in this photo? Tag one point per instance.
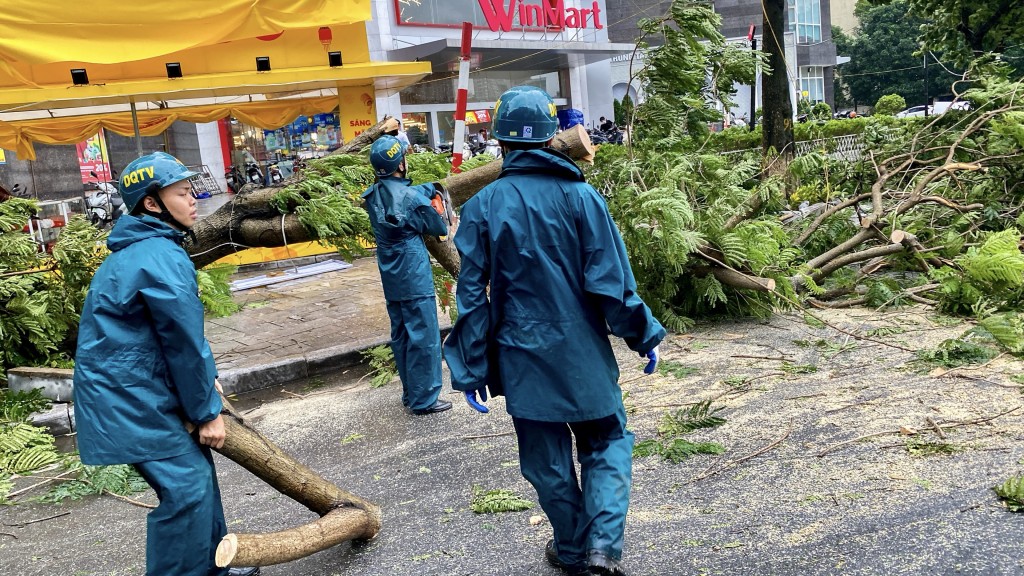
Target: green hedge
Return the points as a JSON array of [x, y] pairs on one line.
[[739, 138]]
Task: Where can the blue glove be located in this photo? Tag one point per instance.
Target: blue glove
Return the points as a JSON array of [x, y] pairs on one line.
[[471, 400], [652, 363]]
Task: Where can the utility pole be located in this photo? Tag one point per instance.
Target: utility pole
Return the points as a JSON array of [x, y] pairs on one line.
[[925, 83], [753, 85]]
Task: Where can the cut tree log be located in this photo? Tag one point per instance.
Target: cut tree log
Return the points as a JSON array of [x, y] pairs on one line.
[[250, 221], [344, 516]]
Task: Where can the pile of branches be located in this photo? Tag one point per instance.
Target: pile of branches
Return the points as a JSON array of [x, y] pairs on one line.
[[929, 215]]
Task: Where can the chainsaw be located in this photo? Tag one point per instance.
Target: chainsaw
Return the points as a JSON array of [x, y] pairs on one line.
[[442, 202]]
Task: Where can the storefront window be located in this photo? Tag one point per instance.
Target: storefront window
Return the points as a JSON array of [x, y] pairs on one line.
[[305, 136], [416, 128]]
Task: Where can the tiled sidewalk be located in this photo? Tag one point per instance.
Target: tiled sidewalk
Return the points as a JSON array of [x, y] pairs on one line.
[[300, 327]]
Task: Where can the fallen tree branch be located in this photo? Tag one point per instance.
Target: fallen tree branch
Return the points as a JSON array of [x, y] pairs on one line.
[[713, 470]]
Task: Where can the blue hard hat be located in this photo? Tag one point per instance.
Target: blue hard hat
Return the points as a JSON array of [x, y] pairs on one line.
[[148, 174], [386, 154], [525, 114]]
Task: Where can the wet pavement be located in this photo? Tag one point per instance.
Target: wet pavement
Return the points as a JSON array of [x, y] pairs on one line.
[[772, 504]]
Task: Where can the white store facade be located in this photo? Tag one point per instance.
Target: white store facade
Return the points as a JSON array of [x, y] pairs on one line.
[[561, 46]]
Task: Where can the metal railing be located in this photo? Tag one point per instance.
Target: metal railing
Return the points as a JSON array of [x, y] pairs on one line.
[[204, 182]]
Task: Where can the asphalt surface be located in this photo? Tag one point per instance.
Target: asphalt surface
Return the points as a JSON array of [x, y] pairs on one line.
[[769, 505]]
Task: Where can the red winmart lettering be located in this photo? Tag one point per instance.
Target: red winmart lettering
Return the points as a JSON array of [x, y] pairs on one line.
[[503, 16]]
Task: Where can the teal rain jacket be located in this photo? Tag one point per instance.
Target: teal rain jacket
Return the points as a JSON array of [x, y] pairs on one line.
[[542, 240], [143, 364], [399, 214]]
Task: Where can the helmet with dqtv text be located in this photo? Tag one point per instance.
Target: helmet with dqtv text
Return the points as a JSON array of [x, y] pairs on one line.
[[525, 114]]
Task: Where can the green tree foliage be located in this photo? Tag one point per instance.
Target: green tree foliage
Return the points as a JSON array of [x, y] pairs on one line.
[[623, 110], [884, 56], [41, 295], [693, 67], [966, 29], [890, 104]]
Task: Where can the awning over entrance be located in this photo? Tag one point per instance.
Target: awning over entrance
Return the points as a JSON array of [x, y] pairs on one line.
[[513, 54]]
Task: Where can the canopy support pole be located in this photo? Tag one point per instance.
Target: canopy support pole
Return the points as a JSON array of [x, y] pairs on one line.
[[135, 125]]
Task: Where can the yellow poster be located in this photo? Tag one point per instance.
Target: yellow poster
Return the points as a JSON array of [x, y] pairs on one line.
[[3, 158], [357, 110]]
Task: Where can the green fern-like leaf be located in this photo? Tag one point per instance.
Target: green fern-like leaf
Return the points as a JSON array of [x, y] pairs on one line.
[[382, 365], [29, 459], [495, 501], [215, 291], [683, 421], [680, 449], [1012, 493]]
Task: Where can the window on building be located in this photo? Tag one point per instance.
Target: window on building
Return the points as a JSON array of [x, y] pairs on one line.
[[805, 20], [812, 83]]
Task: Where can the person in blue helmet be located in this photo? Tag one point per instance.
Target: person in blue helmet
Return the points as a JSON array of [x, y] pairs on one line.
[[544, 278], [400, 214], [143, 368]]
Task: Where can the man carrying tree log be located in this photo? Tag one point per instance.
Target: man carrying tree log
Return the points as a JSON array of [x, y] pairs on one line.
[[143, 365], [399, 215], [541, 240]]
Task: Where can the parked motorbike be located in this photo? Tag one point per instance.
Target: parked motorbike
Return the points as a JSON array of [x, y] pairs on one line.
[[275, 174], [104, 205], [253, 173], [235, 180]]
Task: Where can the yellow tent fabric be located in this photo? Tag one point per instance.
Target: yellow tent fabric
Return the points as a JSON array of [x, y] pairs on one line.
[[111, 31], [19, 136]]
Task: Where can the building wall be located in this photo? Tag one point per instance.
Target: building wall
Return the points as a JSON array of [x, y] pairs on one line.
[[842, 15], [624, 15], [55, 173], [588, 86]]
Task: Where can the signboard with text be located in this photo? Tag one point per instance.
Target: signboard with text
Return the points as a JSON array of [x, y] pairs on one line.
[[357, 112], [93, 157], [501, 15]]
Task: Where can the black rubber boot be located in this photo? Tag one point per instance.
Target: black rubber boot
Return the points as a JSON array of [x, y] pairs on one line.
[[602, 564], [551, 555]]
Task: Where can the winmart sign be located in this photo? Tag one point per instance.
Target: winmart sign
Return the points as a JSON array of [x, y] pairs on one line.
[[506, 15]]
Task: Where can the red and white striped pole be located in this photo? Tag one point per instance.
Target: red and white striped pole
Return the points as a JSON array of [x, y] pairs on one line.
[[460, 101]]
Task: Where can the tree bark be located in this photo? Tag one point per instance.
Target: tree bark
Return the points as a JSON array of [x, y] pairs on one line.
[[277, 547], [777, 108]]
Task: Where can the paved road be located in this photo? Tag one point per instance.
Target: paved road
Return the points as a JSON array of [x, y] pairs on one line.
[[876, 507]]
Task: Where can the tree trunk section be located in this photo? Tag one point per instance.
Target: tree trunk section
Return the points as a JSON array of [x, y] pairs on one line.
[[277, 547], [777, 108], [344, 516]]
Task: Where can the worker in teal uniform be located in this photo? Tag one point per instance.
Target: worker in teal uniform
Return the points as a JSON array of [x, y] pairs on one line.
[[544, 278], [400, 214], [143, 369]]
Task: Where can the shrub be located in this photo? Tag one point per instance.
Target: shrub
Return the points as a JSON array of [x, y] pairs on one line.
[[889, 105]]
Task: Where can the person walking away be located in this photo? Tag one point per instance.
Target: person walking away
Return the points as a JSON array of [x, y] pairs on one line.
[[143, 366], [544, 278], [400, 214]]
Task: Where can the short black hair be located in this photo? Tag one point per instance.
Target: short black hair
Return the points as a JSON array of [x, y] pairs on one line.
[[522, 145]]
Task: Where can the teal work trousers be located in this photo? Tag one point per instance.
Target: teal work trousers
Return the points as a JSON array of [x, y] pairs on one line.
[[182, 533]]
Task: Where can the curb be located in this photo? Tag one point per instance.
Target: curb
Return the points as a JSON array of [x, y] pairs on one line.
[[60, 420]]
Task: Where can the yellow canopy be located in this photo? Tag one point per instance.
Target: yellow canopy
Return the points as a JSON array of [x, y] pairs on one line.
[[111, 31], [214, 44], [269, 115]]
